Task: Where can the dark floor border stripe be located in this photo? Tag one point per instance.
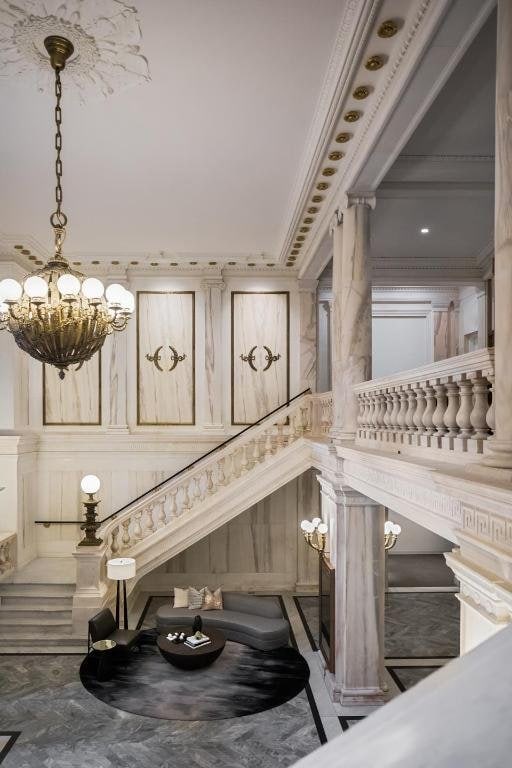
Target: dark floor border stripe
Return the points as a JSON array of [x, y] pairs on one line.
[[296, 600], [309, 693], [13, 736], [401, 687], [344, 720]]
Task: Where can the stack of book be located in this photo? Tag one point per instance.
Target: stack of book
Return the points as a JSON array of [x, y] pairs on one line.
[[197, 640]]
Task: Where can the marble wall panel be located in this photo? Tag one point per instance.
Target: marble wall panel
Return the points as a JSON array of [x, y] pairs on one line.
[[76, 399], [258, 321], [259, 549], [165, 320]]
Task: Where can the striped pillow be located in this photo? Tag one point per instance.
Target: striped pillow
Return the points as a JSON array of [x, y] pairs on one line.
[[195, 598]]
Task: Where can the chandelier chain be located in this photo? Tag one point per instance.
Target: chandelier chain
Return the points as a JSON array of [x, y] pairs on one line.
[[58, 219]]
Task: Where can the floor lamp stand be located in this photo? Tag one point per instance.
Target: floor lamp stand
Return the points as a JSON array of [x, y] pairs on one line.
[[125, 606]]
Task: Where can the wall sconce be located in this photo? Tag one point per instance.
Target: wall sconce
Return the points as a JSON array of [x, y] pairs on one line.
[[315, 534], [90, 485], [391, 533]]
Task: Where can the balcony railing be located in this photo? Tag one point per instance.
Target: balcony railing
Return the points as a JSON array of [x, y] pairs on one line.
[[7, 553], [446, 406]]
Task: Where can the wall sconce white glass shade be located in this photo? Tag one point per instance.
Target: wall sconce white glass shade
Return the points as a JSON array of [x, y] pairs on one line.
[[90, 484]]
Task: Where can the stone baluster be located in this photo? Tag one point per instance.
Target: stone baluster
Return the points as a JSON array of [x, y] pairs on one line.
[[411, 409], [442, 402], [280, 436], [365, 408], [210, 487], [421, 404], [381, 410], [256, 453], [160, 517], [371, 411], [196, 490], [393, 419], [402, 413], [137, 527], [172, 511], [185, 498], [490, 417], [388, 411], [150, 523], [480, 407], [428, 415], [450, 415], [221, 477], [235, 466], [125, 538], [114, 544], [360, 411], [466, 406], [244, 463]]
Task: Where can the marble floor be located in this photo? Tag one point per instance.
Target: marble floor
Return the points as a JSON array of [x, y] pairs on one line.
[[63, 726]]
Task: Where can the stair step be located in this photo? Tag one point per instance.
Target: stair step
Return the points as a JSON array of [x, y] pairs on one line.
[[15, 613], [32, 643], [54, 628], [44, 590], [27, 602]]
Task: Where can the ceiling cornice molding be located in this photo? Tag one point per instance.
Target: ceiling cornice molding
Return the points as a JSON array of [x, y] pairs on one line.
[[355, 27], [437, 189], [420, 28]]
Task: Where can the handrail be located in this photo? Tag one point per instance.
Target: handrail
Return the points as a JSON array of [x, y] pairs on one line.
[[180, 471]]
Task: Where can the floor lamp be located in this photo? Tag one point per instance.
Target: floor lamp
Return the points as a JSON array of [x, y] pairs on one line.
[[120, 569]]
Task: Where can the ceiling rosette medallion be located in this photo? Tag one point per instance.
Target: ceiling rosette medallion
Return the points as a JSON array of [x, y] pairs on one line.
[[105, 34]]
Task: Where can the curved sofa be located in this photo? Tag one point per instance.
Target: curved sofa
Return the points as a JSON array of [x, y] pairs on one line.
[[248, 619]]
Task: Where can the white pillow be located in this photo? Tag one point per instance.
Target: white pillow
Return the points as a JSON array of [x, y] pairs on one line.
[[180, 598]]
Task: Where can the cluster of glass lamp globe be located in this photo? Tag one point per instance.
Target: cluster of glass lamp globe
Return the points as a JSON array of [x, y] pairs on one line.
[[315, 533]]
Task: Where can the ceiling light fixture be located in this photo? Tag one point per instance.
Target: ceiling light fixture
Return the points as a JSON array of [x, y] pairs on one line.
[[58, 316], [424, 230]]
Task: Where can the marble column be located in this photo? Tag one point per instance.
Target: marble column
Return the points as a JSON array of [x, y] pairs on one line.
[[308, 506], [357, 552], [308, 334], [213, 288], [500, 447], [352, 314]]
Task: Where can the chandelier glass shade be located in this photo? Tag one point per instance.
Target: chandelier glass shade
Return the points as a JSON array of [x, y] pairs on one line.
[[58, 315]]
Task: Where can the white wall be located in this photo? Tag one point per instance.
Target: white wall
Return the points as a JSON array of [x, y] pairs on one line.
[[400, 343], [417, 540]]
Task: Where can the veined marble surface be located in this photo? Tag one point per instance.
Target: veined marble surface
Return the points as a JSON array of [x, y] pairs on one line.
[[259, 320], [307, 339], [164, 320], [445, 333], [74, 399]]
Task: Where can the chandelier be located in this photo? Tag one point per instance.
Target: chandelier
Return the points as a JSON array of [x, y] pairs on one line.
[[58, 316]]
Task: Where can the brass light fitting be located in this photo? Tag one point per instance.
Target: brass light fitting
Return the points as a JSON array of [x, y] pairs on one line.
[[328, 171], [374, 63], [343, 137], [322, 185], [388, 28], [361, 92], [58, 316], [315, 534], [352, 116], [335, 155]]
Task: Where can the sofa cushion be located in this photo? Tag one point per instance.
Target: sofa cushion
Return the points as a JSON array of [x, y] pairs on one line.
[[259, 606]]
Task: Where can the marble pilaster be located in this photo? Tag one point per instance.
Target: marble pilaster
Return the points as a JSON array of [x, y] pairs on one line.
[[308, 334], [323, 371], [352, 315], [500, 447], [114, 379], [357, 553], [212, 289]]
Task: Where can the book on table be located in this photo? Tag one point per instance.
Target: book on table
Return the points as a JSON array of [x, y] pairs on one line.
[[195, 641]]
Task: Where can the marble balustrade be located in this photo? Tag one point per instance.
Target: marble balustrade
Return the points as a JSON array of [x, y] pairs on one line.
[[446, 405], [8, 544], [187, 491]]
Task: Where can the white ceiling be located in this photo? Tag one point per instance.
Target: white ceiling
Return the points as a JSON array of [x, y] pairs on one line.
[[200, 160]]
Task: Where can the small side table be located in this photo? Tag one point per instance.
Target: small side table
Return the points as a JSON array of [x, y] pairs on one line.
[[103, 650]]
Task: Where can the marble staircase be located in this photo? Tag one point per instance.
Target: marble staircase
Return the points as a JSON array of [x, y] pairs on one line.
[[36, 609]]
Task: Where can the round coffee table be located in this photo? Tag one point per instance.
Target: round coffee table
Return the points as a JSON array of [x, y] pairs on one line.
[[180, 655]]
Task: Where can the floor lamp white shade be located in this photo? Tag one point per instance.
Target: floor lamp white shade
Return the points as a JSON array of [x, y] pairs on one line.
[[121, 568]]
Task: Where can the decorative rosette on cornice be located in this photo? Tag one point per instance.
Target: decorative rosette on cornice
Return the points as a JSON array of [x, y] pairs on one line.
[[106, 36]]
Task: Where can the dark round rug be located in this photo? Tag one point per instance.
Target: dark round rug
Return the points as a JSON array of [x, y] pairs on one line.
[[243, 681]]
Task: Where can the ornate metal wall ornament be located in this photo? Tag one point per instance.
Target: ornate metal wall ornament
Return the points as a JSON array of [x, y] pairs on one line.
[[156, 357], [105, 35], [269, 358]]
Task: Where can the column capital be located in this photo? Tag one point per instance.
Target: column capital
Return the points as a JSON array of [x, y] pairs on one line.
[[336, 220], [366, 198], [212, 282]]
